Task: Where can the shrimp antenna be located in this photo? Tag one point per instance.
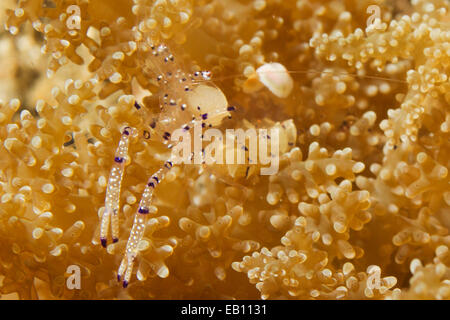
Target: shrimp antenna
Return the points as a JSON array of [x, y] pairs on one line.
[[312, 71]]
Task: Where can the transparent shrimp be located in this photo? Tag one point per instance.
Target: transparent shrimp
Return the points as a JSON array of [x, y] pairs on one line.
[[184, 104]]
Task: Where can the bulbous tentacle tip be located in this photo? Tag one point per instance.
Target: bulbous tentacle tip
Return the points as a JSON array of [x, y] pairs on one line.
[[125, 283], [114, 240], [103, 242]]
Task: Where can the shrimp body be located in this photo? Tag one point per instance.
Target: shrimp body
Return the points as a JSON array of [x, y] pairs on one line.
[[184, 97], [184, 104]]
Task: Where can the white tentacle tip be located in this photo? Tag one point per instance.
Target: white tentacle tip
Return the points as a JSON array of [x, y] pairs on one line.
[[276, 78]]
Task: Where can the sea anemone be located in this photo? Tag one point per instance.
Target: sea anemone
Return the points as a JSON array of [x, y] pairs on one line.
[[359, 207]]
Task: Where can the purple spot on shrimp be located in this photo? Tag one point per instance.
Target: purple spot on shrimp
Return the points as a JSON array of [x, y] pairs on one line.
[[118, 159], [151, 184], [204, 116], [125, 284], [143, 210], [115, 240], [231, 108], [103, 242], [136, 105], [168, 165], [118, 277]]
